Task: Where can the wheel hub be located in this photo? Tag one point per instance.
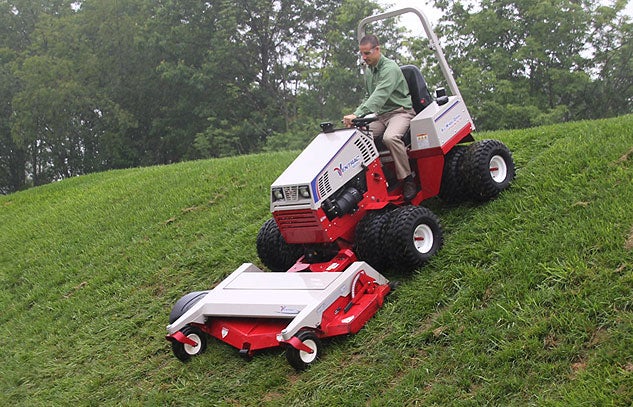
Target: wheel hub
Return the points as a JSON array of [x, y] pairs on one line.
[[308, 357], [423, 238], [498, 168], [193, 350]]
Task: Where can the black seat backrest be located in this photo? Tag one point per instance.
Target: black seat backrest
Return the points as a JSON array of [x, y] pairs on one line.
[[420, 96]]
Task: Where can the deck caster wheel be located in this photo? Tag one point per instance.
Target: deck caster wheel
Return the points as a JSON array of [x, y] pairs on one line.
[[300, 359], [184, 351]]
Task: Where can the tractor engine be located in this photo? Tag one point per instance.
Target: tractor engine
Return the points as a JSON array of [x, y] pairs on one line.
[[324, 193]]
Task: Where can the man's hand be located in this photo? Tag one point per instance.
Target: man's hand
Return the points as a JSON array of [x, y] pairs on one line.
[[347, 120]]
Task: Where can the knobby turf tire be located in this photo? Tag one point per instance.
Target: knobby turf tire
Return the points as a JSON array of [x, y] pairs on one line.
[[184, 352], [299, 359], [273, 250], [370, 239], [414, 236], [488, 169], [453, 188]]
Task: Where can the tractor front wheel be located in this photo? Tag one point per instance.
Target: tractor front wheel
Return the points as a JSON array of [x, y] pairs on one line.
[[453, 188], [273, 250], [370, 238], [413, 237]]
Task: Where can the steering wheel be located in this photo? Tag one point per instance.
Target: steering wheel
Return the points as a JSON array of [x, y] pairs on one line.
[[364, 120]]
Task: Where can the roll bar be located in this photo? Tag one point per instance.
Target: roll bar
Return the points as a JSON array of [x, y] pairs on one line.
[[434, 42]]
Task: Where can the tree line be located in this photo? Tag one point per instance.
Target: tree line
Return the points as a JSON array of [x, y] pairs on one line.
[[94, 85]]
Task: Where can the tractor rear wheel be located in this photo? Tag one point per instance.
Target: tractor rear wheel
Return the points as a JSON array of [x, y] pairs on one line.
[[414, 236], [488, 168], [453, 188], [273, 250]]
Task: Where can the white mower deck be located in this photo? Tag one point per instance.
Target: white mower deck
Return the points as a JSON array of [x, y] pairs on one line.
[[252, 293]]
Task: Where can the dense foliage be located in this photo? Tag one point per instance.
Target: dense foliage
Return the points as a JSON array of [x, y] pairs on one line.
[[92, 85], [523, 63]]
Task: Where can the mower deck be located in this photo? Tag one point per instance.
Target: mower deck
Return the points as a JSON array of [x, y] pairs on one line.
[[252, 310]]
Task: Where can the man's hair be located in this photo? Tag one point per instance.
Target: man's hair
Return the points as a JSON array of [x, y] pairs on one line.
[[369, 39]]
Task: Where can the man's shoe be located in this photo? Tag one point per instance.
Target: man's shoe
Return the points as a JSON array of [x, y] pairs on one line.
[[409, 190]]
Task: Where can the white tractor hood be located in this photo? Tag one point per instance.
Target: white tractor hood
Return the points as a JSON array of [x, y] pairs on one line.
[[329, 161]]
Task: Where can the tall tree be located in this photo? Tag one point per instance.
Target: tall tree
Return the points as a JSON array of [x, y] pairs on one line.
[[328, 75], [521, 62], [18, 21], [63, 117], [265, 48], [611, 39], [12, 158]]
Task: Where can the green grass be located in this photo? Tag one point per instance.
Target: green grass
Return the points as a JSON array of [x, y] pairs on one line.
[[530, 302]]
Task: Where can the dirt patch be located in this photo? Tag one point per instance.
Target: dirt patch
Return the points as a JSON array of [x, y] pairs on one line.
[[429, 321], [550, 341], [600, 336], [75, 289], [578, 366], [628, 245], [626, 156]]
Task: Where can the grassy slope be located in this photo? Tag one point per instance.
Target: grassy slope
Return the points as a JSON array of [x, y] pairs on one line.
[[529, 302]]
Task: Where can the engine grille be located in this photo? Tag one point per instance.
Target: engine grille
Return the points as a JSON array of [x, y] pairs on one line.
[[291, 193], [297, 219], [301, 227], [324, 185], [367, 149]]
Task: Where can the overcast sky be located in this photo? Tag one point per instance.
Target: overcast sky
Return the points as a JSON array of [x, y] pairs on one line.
[[433, 14]]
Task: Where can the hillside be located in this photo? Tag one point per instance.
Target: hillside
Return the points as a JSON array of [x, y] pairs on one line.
[[529, 302]]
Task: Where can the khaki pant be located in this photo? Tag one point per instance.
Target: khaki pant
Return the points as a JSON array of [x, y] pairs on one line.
[[392, 126]]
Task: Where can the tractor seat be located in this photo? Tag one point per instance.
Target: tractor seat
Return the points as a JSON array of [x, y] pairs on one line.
[[420, 98]]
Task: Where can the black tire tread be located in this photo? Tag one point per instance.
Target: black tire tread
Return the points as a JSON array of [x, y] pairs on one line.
[[403, 254], [476, 170], [453, 188], [370, 239], [273, 250], [184, 303]]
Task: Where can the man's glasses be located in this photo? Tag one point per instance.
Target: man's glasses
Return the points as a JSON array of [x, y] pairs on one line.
[[368, 53]]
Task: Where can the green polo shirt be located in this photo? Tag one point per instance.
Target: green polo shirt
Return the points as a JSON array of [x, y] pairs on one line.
[[386, 87]]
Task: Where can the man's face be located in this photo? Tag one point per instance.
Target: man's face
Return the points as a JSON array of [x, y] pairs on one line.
[[370, 54]]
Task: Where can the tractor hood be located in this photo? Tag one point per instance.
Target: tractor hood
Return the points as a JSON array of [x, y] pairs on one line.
[[326, 164]]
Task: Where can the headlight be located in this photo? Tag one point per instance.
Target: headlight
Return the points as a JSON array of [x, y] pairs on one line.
[[278, 194], [304, 192]]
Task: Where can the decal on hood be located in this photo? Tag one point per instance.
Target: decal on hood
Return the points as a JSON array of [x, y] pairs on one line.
[[342, 168]]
